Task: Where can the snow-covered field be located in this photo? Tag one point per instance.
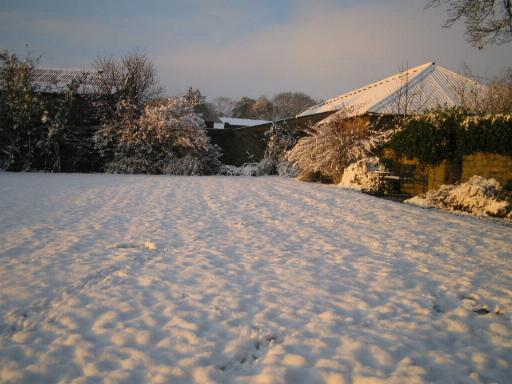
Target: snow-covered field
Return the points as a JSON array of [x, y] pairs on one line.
[[108, 278]]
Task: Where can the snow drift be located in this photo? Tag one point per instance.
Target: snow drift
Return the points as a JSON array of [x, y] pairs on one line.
[[478, 196], [362, 175]]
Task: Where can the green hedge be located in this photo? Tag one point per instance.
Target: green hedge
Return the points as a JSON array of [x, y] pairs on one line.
[[452, 133]]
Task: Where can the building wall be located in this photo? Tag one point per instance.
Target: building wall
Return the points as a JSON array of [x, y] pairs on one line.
[[246, 145], [488, 165], [242, 145], [417, 178]]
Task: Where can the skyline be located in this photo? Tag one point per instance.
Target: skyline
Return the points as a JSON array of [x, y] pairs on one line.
[[234, 49]]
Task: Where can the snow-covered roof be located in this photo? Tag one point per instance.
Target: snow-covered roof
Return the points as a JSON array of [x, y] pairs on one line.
[[56, 80], [242, 122], [425, 87]]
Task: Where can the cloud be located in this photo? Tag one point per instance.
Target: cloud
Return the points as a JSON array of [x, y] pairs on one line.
[[324, 50], [227, 48]]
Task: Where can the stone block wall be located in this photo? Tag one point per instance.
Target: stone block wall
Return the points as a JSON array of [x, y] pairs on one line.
[[488, 165]]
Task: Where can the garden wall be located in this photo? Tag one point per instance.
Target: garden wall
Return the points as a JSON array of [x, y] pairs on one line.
[[417, 178], [487, 165]]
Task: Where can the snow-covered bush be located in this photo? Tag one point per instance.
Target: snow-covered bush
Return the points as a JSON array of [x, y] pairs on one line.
[[281, 137], [479, 196], [287, 169], [247, 169], [167, 138], [332, 146], [362, 175]]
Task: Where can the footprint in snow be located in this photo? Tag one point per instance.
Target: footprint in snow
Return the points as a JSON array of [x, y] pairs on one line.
[[250, 352], [149, 245]]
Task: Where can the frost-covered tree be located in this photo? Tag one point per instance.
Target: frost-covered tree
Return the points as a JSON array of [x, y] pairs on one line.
[[498, 97], [205, 110], [169, 138], [332, 146], [20, 109], [281, 137], [263, 108]]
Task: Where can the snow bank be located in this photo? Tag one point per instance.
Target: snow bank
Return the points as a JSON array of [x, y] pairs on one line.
[[361, 175], [478, 196]]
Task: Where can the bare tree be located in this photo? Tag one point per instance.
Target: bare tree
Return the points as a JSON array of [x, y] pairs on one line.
[[498, 98], [290, 104], [263, 108], [486, 21], [494, 97], [132, 77], [223, 106]]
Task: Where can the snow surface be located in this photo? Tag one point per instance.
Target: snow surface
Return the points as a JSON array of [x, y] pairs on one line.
[[110, 278]]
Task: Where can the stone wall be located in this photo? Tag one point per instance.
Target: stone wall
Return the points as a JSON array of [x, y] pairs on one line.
[[417, 178], [487, 165]]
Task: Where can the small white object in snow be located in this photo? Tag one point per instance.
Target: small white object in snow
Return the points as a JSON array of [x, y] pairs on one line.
[[150, 245]]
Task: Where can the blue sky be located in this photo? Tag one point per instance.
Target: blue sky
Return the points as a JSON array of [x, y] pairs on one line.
[[235, 48]]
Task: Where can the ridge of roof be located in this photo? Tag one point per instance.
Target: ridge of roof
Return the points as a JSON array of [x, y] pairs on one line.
[[423, 71], [415, 71], [427, 86]]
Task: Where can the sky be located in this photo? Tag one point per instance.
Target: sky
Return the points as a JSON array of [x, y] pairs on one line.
[[248, 48]]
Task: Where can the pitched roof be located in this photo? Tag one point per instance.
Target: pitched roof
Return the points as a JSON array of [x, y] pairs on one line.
[[53, 80], [425, 87]]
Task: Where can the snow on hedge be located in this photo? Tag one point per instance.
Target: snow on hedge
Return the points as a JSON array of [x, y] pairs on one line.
[[478, 196]]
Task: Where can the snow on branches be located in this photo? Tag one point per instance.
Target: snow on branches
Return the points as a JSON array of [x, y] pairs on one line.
[[166, 138], [331, 147]]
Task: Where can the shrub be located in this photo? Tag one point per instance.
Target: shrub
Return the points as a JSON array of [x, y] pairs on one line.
[[281, 137], [168, 138], [332, 146], [452, 133], [34, 123]]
